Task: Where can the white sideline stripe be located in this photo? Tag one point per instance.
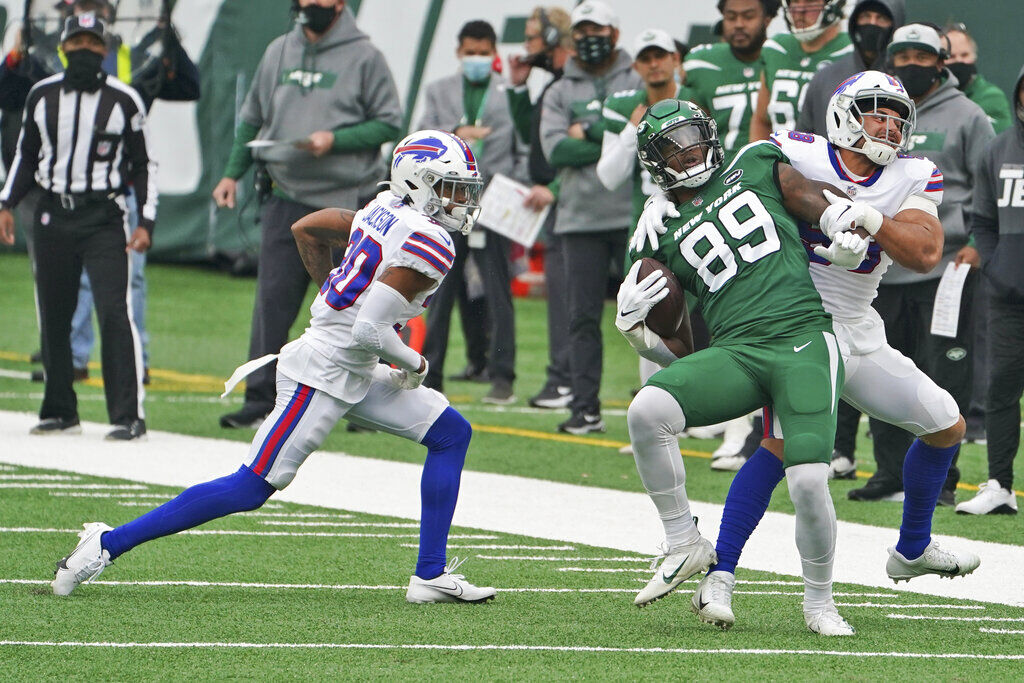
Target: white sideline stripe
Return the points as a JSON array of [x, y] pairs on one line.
[[1001, 630], [8, 468], [74, 494], [15, 374], [163, 497], [516, 648], [619, 521], [233, 532], [604, 570], [38, 477], [892, 606], [540, 558], [383, 525], [124, 487], [496, 547], [296, 515], [937, 618]]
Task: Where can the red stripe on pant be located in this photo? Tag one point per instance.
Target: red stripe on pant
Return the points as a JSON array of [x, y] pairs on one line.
[[767, 418], [283, 426]]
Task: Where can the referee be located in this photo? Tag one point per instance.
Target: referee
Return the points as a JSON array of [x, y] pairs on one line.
[[83, 141]]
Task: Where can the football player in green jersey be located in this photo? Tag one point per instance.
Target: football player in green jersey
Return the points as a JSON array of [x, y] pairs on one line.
[[724, 78], [735, 245], [791, 59]]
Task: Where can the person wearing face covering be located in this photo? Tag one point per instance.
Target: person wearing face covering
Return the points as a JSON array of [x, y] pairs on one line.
[[83, 174], [870, 27], [953, 132], [473, 104], [326, 94], [591, 221]]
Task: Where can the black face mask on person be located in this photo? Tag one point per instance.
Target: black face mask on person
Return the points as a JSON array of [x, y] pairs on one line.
[[964, 73], [84, 70], [916, 78], [871, 39], [315, 17], [594, 49]]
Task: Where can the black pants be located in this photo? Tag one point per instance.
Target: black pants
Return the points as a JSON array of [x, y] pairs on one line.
[[558, 372], [281, 285], [1006, 384], [847, 422], [492, 262], [94, 237], [588, 259], [906, 311]]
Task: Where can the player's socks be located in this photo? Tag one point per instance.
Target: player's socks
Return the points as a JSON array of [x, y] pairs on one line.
[[748, 499], [924, 471], [815, 530], [243, 490], [447, 441]]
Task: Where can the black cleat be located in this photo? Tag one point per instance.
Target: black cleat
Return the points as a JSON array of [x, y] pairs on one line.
[[136, 429]]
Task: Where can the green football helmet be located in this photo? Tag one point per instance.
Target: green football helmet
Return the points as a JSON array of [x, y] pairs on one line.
[[678, 144]]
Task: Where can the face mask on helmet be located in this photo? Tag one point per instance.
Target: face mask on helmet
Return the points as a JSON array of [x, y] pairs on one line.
[[594, 49], [460, 203], [964, 72], [684, 155], [846, 125], [917, 79]]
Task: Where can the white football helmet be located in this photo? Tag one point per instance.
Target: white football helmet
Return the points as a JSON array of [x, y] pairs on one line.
[[436, 173], [865, 93], [831, 13]]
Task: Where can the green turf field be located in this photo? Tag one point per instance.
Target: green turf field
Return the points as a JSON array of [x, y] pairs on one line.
[[198, 322]]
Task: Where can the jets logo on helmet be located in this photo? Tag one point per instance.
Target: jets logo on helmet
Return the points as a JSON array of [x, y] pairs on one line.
[[678, 144], [436, 173], [880, 96]]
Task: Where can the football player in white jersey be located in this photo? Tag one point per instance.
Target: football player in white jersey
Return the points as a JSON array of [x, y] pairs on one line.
[[398, 251], [870, 120]]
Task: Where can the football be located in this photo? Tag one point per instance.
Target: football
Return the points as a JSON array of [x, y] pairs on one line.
[[667, 315]]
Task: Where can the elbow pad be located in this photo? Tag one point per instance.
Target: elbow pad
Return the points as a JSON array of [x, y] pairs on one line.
[[373, 329]]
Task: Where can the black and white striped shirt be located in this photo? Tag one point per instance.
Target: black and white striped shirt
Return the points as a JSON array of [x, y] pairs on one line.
[[76, 142]]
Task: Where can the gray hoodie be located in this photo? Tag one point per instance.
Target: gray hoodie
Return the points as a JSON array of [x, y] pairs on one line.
[[584, 204], [820, 89], [302, 87], [953, 132], [998, 209]]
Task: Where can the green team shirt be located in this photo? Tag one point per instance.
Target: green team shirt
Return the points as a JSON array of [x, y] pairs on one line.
[[726, 88], [618, 109], [788, 70], [737, 249]]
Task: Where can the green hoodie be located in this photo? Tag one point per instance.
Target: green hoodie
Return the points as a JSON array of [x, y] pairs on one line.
[[992, 101]]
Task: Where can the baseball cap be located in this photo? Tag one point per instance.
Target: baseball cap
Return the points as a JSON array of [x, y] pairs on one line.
[[916, 36], [596, 11], [653, 37], [83, 23]]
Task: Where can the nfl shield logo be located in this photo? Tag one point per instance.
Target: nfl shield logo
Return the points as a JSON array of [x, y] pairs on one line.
[[87, 20], [103, 148]]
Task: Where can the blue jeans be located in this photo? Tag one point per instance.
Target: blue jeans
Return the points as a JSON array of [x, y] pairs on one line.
[[82, 334]]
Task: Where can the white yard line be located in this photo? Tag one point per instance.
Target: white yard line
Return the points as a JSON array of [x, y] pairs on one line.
[[938, 618], [75, 494], [77, 487], [233, 532], [496, 547], [604, 570], [383, 525], [889, 605], [621, 520], [553, 558], [38, 477], [1010, 631], [507, 648], [296, 515]]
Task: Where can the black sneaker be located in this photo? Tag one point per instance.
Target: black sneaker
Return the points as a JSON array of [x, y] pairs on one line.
[[136, 429], [552, 397], [975, 432], [78, 375], [947, 498], [36, 356], [249, 417], [842, 466], [57, 425], [876, 491], [500, 393], [581, 423], [471, 373]]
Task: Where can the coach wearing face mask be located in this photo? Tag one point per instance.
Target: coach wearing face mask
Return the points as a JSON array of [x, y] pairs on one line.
[[591, 220], [323, 101], [952, 132], [475, 106]]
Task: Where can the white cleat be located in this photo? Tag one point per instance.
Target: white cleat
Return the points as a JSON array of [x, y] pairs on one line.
[[447, 587], [727, 463], [712, 603], [827, 622], [679, 564], [708, 432], [991, 499], [85, 563], [934, 560]]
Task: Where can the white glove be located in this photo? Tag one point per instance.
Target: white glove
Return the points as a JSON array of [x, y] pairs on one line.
[[636, 299], [651, 225], [407, 379], [844, 214], [847, 250]]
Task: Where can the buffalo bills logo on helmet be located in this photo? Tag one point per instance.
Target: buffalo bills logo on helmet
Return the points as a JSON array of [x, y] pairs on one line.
[[849, 81], [423, 149]]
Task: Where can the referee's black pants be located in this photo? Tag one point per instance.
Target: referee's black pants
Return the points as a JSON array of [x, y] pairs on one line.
[[906, 311], [93, 236], [1006, 384]]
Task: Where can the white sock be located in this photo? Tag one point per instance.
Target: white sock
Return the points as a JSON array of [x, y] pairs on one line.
[[654, 420], [815, 530]]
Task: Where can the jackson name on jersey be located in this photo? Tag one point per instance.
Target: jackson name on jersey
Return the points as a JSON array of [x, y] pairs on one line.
[[847, 294], [385, 233]]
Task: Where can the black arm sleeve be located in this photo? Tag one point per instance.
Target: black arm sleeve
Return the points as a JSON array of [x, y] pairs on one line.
[[23, 170]]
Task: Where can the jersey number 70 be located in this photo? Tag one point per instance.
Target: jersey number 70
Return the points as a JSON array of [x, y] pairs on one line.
[[717, 265]]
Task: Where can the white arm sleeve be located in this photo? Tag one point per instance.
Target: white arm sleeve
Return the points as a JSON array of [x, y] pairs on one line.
[[374, 328], [618, 157], [649, 345], [916, 201]]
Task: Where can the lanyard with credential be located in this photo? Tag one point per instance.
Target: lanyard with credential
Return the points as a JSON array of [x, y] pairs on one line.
[[478, 146]]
